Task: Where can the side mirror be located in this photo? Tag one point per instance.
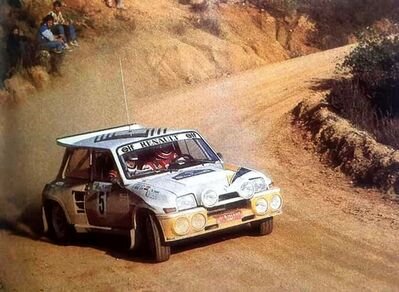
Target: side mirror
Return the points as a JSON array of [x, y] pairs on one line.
[[220, 155]]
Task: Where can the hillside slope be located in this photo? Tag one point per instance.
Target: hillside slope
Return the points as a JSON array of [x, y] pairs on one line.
[[166, 44]]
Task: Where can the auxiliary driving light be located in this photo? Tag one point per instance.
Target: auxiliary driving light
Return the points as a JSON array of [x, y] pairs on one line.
[[198, 221], [181, 226], [276, 202], [261, 206]]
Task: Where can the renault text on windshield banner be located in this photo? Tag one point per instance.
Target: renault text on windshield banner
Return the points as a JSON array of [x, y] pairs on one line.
[[156, 141]]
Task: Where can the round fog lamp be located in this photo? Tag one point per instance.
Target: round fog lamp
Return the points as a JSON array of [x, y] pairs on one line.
[[181, 226], [261, 206], [276, 202], [198, 221]]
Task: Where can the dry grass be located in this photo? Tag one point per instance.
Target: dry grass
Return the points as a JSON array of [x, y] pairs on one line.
[[353, 104], [36, 9], [179, 28], [200, 6], [209, 23], [355, 152]]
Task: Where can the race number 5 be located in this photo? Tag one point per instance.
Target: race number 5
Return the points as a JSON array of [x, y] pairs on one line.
[[102, 202]]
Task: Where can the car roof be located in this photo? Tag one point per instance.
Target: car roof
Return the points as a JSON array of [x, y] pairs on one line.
[[112, 138]]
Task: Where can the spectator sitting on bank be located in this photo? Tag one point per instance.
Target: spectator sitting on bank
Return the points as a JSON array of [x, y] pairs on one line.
[[61, 27], [16, 48], [46, 38], [119, 4]]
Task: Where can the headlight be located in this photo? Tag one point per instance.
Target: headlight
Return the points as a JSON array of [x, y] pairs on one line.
[[261, 206], [247, 190], [259, 184], [198, 221], [181, 226], [209, 198], [276, 202], [186, 202]]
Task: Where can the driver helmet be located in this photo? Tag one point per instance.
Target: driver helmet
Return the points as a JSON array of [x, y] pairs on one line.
[[131, 161], [165, 152]]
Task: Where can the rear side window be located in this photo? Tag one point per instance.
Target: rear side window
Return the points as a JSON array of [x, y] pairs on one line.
[[103, 164], [78, 166]]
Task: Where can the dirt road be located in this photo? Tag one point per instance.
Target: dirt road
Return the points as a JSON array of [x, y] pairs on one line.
[[332, 235]]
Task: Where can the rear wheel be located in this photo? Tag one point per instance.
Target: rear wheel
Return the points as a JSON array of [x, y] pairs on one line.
[[159, 252], [60, 230], [263, 227]]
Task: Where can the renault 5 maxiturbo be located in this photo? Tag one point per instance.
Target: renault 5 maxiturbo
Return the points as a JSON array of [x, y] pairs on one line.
[[156, 185]]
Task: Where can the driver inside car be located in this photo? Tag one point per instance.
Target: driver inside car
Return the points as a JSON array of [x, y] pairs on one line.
[[134, 166], [164, 155]]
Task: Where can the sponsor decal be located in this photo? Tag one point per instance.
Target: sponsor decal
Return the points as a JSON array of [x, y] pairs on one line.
[[156, 141], [191, 173], [149, 192]]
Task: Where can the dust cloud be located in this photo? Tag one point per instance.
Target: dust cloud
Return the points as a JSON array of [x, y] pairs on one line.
[[84, 100]]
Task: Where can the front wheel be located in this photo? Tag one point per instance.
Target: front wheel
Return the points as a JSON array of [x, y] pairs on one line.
[[263, 227], [60, 230], [159, 252]]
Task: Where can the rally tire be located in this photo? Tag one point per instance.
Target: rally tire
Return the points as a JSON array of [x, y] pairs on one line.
[[158, 251], [59, 228], [264, 227]]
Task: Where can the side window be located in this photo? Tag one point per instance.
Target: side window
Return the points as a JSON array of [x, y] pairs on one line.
[[103, 164], [78, 164]]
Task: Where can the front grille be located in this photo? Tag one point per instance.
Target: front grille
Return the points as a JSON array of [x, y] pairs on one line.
[[228, 196], [229, 206]]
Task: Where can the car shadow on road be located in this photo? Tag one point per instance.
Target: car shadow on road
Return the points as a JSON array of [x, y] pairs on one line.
[[117, 246]]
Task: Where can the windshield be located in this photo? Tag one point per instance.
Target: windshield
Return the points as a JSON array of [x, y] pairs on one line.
[[166, 153]]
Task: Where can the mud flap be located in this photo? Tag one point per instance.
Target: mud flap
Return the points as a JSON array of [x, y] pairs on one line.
[[132, 238], [45, 223]]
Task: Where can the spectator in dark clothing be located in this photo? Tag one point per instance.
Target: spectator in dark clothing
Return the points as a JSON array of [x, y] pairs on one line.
[[16, 47], [46, 38]]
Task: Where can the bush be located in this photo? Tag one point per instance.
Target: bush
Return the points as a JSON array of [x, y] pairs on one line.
[[200, 6], [210, 24], [369, 95], [286, 6], [374, 66]]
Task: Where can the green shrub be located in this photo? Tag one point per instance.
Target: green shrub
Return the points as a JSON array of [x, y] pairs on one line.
[[374, 66]]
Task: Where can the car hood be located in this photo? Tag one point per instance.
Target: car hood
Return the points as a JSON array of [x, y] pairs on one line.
[[195, 180]]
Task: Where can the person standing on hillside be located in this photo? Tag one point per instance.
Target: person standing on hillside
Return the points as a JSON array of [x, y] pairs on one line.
[[16, 45], [63, 28]]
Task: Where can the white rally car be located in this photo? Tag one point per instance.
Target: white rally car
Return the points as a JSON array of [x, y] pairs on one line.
[[156, 185]]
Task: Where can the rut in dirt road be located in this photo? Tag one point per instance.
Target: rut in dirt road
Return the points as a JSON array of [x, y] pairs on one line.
[[332, 235]]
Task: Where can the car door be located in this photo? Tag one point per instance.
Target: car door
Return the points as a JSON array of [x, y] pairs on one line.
[[106, 202]]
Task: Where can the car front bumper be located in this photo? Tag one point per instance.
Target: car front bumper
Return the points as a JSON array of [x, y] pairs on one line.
[[228, 215]]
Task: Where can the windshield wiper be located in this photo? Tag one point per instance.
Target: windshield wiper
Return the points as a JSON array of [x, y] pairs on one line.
[[205, 160]]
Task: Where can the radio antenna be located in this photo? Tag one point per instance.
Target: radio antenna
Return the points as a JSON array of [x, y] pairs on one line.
[[124, 94]]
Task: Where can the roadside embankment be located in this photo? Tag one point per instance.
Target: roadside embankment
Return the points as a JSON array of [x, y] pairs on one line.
[[355, 152]]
